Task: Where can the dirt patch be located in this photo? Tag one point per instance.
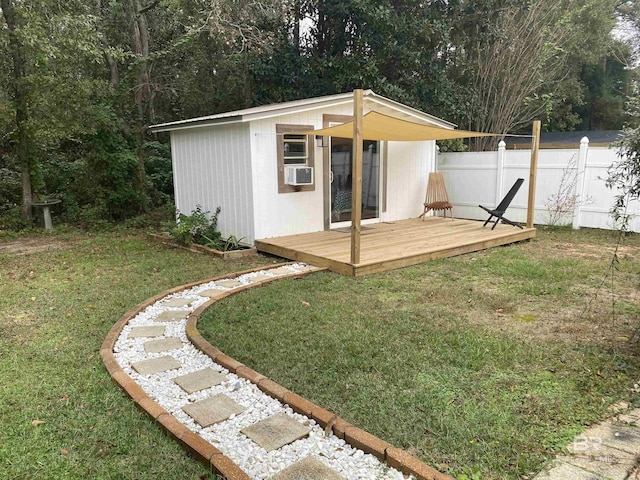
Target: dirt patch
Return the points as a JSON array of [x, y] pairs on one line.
[[27, 246], [585, 250], [583, 323]]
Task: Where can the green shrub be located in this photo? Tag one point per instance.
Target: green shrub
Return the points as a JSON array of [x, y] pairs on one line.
[[11, 219], [200, 227]]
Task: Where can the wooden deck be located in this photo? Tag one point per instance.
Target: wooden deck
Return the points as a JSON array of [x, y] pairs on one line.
[[386, 246]]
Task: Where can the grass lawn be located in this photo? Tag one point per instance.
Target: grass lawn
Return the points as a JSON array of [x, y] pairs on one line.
[[481, 363], [59, 296]]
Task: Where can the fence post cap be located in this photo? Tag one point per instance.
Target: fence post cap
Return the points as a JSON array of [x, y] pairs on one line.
[[502, 145], [584, 141]]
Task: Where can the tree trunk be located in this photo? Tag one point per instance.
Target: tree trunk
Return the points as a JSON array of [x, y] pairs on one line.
[[113, 69], [296, 25], [143, 97], [20, 103]]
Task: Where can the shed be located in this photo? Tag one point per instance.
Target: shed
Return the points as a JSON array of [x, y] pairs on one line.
[[270, 181]]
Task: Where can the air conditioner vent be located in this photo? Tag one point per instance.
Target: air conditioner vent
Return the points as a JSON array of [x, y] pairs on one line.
[[298, 175]]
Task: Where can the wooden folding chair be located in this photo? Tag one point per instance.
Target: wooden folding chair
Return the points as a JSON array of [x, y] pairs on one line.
[[499, 211], [437, 198]]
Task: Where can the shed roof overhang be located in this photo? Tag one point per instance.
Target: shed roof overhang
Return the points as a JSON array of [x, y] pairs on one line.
[[378, 126], [373, 102]]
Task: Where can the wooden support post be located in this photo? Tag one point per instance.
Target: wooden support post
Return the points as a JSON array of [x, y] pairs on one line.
[[533, 172], [356, 177]]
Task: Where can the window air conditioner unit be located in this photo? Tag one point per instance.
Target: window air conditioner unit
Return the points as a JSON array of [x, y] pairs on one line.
[[298, 175]]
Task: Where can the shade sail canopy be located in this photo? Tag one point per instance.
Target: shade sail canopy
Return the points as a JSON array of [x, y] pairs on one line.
[[377, 126]]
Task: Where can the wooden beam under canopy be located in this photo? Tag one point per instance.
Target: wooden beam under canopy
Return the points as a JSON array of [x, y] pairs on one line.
[[533, 172], [356, 176]]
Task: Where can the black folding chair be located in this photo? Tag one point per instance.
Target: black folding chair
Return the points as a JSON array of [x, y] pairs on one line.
[[498, 212]]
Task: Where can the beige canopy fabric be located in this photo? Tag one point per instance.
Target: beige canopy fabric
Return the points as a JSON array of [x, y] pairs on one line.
[[378, 126]]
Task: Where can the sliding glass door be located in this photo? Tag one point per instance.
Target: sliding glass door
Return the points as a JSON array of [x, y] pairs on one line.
[[340, 177]]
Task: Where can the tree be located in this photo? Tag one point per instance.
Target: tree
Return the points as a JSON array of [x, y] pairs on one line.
[[515, 57], [18, 96], [52, 47], [625, 173]]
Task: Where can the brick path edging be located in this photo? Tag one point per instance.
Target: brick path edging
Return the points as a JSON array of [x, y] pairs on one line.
[[203, 450]]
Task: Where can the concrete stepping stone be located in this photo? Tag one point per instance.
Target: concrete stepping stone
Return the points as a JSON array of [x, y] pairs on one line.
[[154, 331], [631, 417], [559, 470], [213, 410], [609, 462], [282, 271], [309, 468], [156, 365], [162, 345], [196, 381], [626, 419], [212, 293], [178, 302], [276, 431], [230, 283], [617, 436], [172, 316], [260, 278]]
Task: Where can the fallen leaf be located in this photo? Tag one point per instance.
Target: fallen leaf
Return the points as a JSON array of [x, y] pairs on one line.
[[66, 396], [33, 299], [306, 304], [35, 423], [64, 451], [500, 310], [90, 356]]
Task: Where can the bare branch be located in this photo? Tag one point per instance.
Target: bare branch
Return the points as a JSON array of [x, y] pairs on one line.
[[151, 6]]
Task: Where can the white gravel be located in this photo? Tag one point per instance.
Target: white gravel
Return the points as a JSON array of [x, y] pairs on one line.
[[350, 462]]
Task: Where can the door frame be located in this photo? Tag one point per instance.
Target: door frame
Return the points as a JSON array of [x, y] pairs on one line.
[[327, 120], [378, 191]]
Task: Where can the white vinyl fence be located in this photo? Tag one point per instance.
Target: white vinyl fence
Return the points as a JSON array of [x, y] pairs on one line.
[[570, 186]]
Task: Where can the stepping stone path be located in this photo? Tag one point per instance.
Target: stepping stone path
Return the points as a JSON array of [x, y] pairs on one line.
[[213, 409], [260, 278], [230, 283], [172, 316], [156, 365], [162, 345], [200, 380], [275, 432], [155, 331], [178, 302], [213, 293], [260, 434], [308, 469], [607, 451]]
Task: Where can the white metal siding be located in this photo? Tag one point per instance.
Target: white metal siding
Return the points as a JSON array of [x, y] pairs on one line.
[[211, 168]]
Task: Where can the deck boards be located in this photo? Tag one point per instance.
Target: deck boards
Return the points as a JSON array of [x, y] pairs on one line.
[[386, 246]]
